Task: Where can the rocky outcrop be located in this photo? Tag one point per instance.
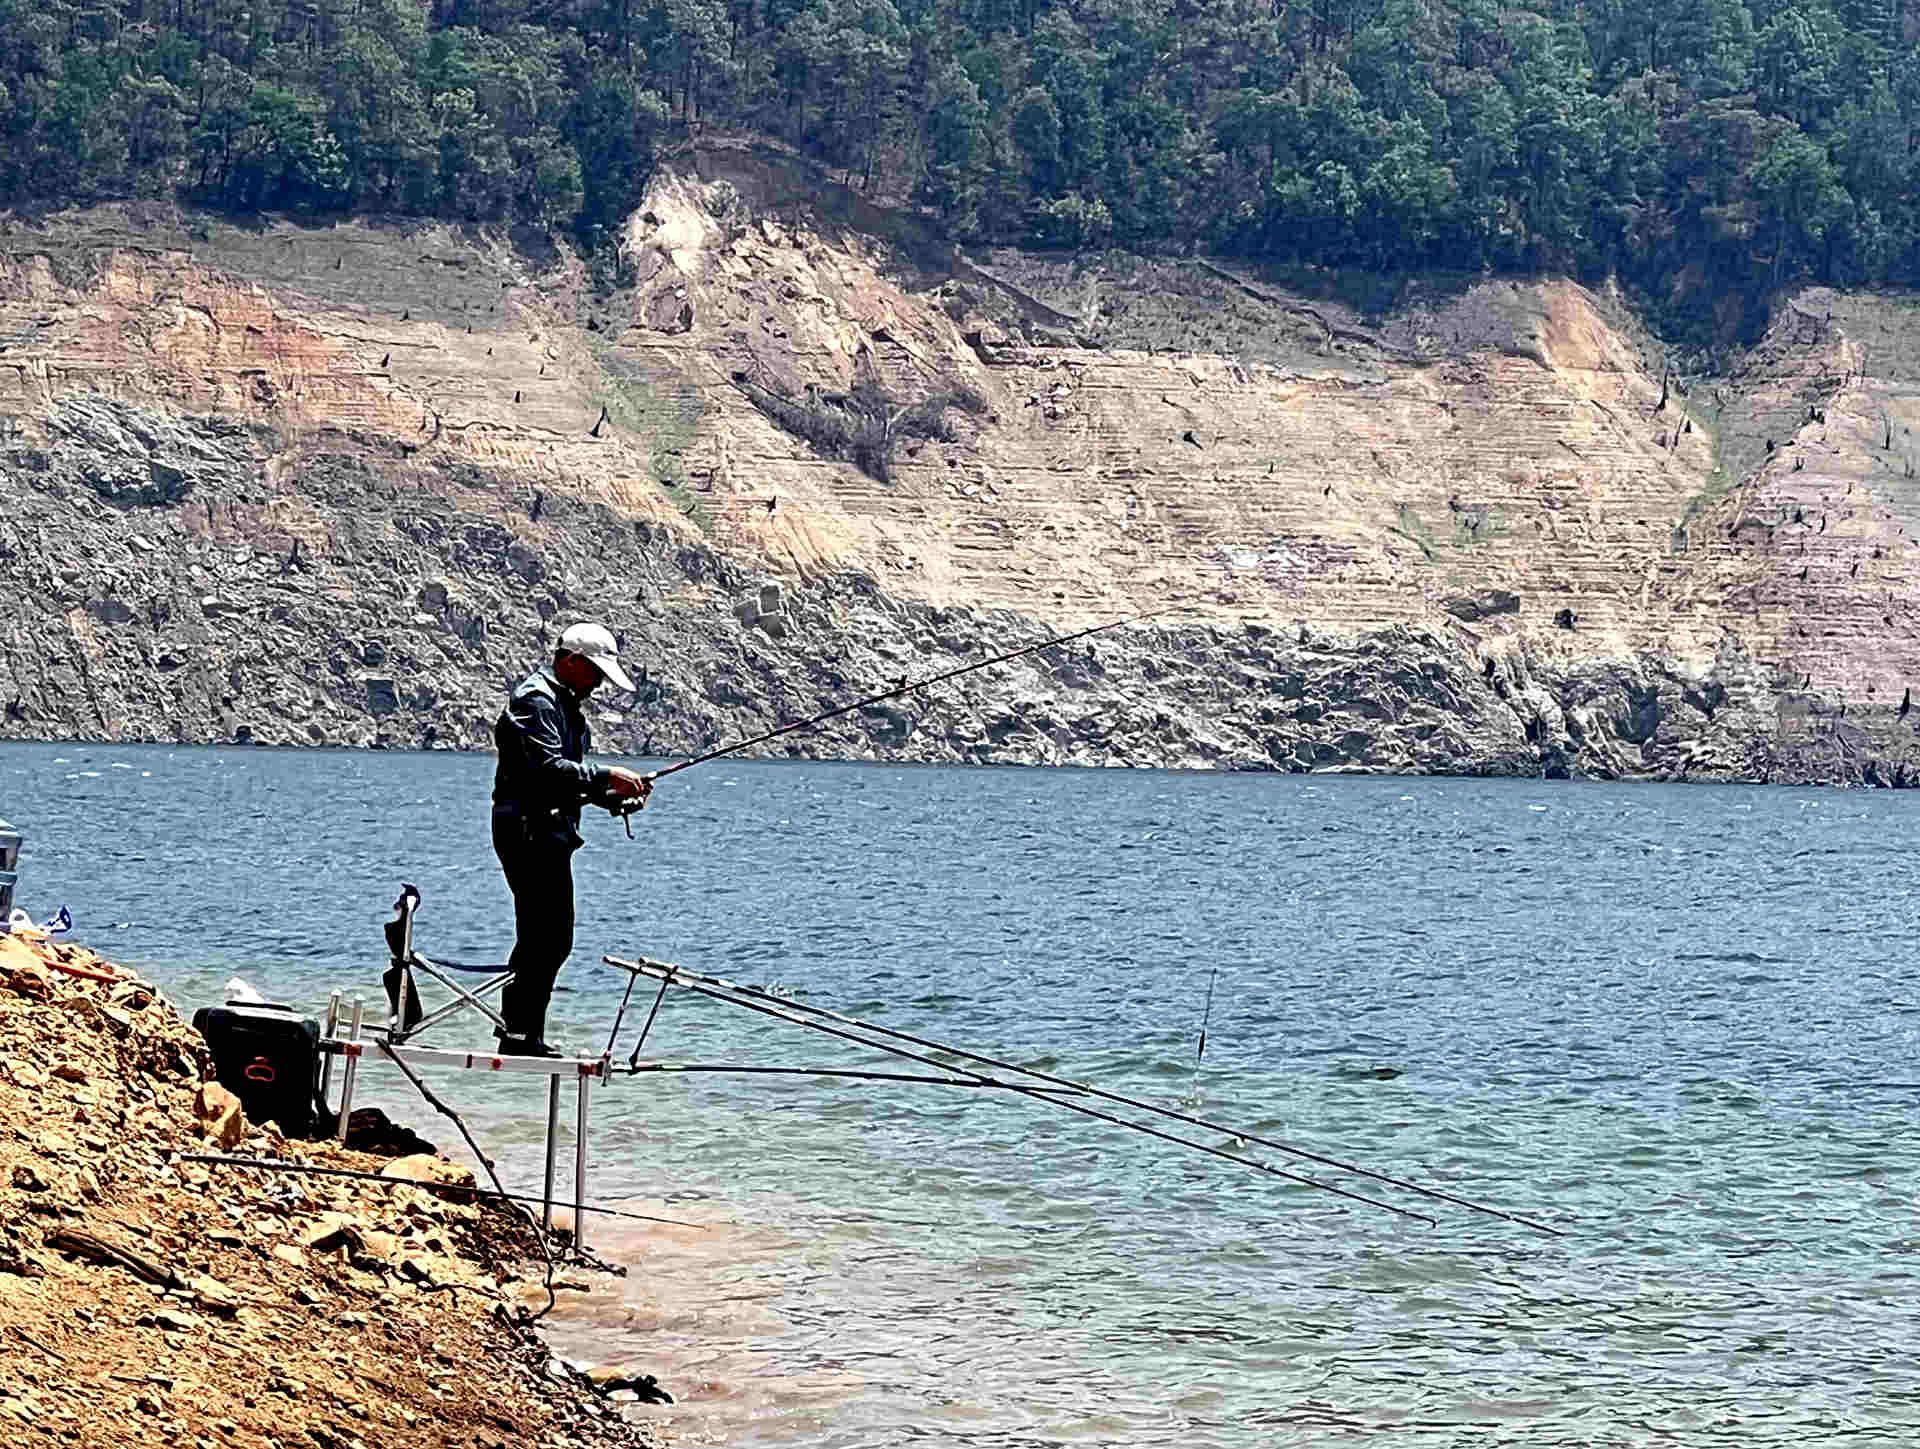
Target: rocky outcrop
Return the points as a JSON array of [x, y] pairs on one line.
[[339, 485]]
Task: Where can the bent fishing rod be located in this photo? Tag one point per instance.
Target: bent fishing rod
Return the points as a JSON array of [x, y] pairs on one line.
[[734, 995], [905, 686], [756, 999]]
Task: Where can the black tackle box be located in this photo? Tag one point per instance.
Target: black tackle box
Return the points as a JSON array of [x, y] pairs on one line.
[[268, 1057]]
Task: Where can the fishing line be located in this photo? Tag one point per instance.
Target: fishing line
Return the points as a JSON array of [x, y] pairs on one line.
[[907, 687]]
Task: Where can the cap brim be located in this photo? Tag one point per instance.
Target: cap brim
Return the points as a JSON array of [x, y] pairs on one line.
[[611, 671]]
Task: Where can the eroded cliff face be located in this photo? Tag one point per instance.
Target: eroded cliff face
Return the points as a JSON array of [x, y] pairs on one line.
[[303, 485]]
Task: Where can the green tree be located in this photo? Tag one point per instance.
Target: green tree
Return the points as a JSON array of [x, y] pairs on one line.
[[1795, 62], [957, 141], [1796, 186], [1036, 131]]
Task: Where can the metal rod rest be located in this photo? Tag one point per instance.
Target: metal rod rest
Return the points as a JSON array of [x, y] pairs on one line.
[[326, 1064], [580, 1165], [352, 1068], [553, 1152]]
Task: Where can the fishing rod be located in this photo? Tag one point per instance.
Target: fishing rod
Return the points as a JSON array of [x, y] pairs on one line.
[[728, 992], [310, 1169], [694, 980], [864, 1075], [904, 687]]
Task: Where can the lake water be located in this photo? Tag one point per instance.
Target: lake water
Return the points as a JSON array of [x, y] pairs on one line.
[[1676, 1022]]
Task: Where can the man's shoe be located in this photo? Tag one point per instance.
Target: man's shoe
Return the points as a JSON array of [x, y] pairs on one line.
[[525, 1046]]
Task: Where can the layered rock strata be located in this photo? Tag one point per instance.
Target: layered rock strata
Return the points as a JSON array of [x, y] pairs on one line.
[[338, 485]]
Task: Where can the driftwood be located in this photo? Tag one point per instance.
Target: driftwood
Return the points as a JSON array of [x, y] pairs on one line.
[[95, 1249]]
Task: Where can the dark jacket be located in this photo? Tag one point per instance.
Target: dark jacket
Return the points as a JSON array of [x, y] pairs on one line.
[[542, 778]]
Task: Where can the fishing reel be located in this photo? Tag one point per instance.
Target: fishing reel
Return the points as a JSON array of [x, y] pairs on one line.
[[625, 808]]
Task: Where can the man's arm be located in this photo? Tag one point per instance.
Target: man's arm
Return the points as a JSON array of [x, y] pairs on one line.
[[537, 721]]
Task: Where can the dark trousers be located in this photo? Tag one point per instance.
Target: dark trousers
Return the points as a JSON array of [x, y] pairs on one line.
[[540, 875]]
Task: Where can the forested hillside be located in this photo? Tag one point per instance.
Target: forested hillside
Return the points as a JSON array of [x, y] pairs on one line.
[[1703, 151]]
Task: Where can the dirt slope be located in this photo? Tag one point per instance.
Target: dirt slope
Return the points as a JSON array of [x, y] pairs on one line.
[[150, 1301]]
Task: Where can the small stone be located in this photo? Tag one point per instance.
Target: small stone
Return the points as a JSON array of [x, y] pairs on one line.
[[376, 1246], [212, 1293], [383, 695], [222, 1120], [424, 1168], [417, 1268], [333, 1231], [30, 981]]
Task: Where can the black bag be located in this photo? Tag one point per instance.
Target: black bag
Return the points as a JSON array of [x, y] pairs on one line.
[[269, 1058]]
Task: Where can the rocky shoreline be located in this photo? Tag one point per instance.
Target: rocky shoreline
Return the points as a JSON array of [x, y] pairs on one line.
[[146, 1299]]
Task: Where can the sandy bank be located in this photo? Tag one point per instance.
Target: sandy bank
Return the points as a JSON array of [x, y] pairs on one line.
[[145, 1300]]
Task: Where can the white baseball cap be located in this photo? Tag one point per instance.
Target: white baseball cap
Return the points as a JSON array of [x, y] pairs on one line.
[[594, 643]]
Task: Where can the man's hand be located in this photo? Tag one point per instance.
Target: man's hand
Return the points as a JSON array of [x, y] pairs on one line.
[[626, 785]]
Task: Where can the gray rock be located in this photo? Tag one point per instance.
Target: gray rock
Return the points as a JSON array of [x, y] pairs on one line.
[[1483, 605]]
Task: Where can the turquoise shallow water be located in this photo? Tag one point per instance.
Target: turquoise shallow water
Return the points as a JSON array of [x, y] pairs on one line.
[[1676, 1022]]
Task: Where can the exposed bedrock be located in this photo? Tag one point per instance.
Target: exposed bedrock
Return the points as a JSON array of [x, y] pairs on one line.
[[337, 485]]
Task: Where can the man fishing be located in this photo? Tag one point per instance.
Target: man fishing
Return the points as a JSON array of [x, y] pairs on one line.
[[539, 786]]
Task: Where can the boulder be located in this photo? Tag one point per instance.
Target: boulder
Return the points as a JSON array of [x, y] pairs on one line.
[[370, 1130], [1482, 605], [331, 1232]]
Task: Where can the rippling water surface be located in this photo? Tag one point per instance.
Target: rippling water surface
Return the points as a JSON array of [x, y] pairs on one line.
[[1674, 1022]]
